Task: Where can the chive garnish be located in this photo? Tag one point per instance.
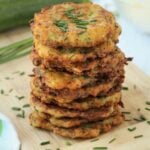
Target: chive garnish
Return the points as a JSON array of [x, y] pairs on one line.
[[147, 109], [2, 92], [100, 148], [16, 108], [22, 115], [125, 88], [148, 122], [128, 120], [20, 97], [138, 136], [147, 103], [131, 129], [142, 118], [68, 143], [112, 140], [26, 105], [81, 26], [126, 112], [94, 140], [21, 73], [10, 90], [62, 24], [45, 143]]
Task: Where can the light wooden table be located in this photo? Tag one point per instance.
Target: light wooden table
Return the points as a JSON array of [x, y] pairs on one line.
[[134, 98]]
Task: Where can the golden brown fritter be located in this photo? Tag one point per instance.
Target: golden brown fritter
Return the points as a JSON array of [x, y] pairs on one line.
[[86, 131], [82, 104], [73, 55], [71, 122], [59, 112], [74, 25], [100, 65], [70, 95]]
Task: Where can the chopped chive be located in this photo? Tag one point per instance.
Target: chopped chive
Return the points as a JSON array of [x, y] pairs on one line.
[[7, 78], [57, 148], [45, 143], [100, 148], [26, 105], [94, 140], [20, 97], [62, 24], [81, 27], [2, 91], [21, 73], [147, 103], [148, 122], [68, 143], [138, 136], [125, 88], [131, 129], [22, 115], [138, 109], [136, 119], [147, 109], [142, 118], [10, 90], [126, 112], [16, 108], [112, 140]]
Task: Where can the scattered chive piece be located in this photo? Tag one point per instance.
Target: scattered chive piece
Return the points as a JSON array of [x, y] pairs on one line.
[[57, 148], [7, 78], [68, 143], [2, 91], [138, 109], [21, 73], [131, 129], [21, 115], [125, 88], [16, 108], [136, 119], [45, 143], [147, 103], [147, 109], [20, 97], [142, 118], [138, 136], [81, 32], [148, 122], [10, 90], [81, 27], [26, 105], [112, 140], [126, 112], [100, 148], [94, 140]]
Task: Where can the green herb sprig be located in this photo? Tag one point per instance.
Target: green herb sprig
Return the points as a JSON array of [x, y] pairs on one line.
[[15, 50]]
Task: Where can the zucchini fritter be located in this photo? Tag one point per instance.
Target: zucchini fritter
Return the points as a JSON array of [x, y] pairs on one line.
[[98, 65], [74, 25], [86, 131], [70, 95]]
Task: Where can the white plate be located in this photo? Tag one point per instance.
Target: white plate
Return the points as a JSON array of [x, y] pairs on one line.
[[8, 137]]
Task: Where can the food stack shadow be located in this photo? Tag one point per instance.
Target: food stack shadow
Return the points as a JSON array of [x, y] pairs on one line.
[[79, 70]]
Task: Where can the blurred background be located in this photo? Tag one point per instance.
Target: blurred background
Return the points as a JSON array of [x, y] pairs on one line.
[[133, 16]]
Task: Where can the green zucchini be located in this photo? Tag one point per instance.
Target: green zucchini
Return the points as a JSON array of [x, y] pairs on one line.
[[14, 13]]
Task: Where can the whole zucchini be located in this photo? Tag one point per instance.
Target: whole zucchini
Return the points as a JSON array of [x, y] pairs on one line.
[[14, 13]]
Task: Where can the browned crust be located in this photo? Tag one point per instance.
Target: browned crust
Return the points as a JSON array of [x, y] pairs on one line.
[[85, 131], [99, 65], [70, 95], [47, 33]]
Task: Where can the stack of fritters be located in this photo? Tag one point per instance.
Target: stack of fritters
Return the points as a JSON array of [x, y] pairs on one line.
[[76, 86]]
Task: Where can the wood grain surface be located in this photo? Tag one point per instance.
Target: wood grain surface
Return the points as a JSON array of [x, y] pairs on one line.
[[134, 98]]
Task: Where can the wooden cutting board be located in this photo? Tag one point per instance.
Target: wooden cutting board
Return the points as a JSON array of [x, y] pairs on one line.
[[14, 81]]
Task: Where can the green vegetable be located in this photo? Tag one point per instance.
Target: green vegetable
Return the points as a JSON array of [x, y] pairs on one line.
[[45, 143], [16, 13]]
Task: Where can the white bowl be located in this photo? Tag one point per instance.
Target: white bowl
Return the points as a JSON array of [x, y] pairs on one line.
[[136, 11]]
